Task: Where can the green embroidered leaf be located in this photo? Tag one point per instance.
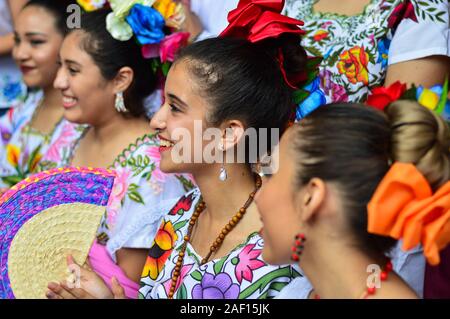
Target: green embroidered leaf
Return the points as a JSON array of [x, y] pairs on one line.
[[32, 157], [264, 281], [146, 160], [12, 180], [219, 265], [135, 196], [332, 59], [180, 225], [196, 275], [182, 292], [133, 187], [278, 286]]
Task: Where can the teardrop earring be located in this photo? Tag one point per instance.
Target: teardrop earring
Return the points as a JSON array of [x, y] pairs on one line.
[[119, 103], [223, 172]]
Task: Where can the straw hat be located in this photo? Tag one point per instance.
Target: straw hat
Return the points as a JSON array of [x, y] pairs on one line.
[[44, 219]]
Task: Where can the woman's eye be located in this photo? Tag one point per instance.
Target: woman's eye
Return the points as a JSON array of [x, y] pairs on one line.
[[36, 42], [173, 108], [73, 71], [16, 40]]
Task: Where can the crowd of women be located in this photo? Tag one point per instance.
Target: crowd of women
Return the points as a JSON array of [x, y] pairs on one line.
[[356, 89]]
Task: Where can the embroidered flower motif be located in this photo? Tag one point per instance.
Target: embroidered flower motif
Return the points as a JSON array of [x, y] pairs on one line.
[[383, 51], [320, 35], [183, 273], [183, 205], [248, 262], [404, 10], [12, 91], [64, 140], [160, 251], [13, 154], [119, 191], [353, 63], [5, 133], [216, 287]]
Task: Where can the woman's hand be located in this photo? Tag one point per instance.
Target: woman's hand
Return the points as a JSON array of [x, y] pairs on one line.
[[85, 284], [192, 23]]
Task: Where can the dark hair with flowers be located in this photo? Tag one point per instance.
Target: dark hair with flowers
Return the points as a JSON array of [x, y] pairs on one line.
[[110, 55], [152, 24]]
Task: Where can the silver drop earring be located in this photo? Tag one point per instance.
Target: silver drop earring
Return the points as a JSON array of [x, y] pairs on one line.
[[119, 103], [223, 172]]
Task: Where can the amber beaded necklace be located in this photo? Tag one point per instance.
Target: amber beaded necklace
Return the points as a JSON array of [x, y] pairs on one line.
[[219, 240]]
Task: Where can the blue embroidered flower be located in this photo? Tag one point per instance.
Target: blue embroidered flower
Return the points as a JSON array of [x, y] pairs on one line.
[[147, 24], [315, 99], [12, 91], [383, 51]]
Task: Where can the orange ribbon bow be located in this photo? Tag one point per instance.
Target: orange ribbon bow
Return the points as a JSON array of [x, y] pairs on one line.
[[404, 207]]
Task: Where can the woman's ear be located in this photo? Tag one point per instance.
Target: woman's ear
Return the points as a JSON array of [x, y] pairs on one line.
[[232, 133], [123, 79], [311, 199]]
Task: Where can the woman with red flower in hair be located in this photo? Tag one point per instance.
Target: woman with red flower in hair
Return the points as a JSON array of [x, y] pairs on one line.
[[370, 43]]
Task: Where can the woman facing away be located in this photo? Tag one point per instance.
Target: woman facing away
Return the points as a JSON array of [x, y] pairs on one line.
[[332, 164], [104, 82], [208, 245], [29, 130]]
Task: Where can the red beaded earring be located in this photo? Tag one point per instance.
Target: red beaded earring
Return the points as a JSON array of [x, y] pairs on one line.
[[298, 247]]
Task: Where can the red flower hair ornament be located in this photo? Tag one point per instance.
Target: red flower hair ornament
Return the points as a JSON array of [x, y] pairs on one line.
[[257, 20]]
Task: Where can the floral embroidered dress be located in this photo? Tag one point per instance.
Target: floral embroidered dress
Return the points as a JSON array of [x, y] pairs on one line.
[[358, 49], [242, 274], [22, 147]]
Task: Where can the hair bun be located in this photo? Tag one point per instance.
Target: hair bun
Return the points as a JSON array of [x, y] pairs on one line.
[[421, 137]]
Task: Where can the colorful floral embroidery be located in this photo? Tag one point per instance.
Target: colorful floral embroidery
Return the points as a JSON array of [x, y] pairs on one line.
[[161, 250], [355, 49], [241, 274]]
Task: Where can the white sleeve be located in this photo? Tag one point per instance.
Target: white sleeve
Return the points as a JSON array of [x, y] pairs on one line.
[[213, 15], [429, 35]]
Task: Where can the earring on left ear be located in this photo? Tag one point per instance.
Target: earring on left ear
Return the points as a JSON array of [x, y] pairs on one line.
[[298, 247], [119, 103], [223, 172]]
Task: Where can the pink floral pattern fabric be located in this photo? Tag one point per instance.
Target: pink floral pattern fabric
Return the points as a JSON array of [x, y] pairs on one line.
[[242, 274], [357, 50]]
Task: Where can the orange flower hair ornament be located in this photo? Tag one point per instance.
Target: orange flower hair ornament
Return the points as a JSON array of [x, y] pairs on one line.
[[404, 207]]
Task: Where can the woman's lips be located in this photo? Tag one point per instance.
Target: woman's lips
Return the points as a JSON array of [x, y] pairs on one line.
[[26, 69], [69, 102], [165, 144]]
